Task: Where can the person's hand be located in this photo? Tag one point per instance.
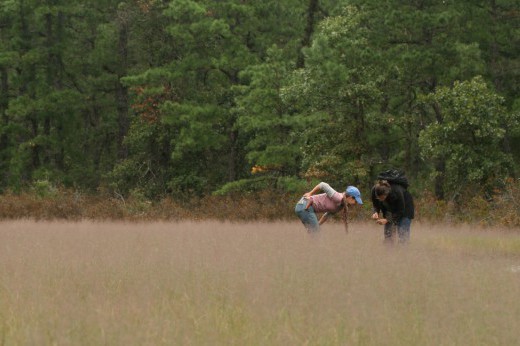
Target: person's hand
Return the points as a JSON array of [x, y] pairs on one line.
[[375, 216], [307, 195], [382, 221]]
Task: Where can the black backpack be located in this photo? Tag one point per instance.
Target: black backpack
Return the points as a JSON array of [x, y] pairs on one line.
[[394, 176]]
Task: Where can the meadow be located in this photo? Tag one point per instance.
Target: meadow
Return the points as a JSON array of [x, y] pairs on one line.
[[221, 283]]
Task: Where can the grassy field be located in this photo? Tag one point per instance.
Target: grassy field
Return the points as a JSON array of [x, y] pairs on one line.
[[214, 283]]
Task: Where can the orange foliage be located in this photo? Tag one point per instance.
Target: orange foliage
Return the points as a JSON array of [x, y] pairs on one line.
[[145, 5], [264, 169], [148, 106]]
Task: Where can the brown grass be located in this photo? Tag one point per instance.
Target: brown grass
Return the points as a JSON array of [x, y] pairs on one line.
[[62, 204], [211, 283]]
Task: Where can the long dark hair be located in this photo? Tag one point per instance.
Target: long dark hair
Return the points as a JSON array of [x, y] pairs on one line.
[[382, 188], [344, 212]]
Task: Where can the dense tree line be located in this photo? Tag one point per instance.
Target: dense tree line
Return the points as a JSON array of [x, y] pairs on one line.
[[173, 97]]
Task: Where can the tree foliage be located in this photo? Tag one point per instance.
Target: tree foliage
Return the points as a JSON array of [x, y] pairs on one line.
[[189, 97], [470, 137]]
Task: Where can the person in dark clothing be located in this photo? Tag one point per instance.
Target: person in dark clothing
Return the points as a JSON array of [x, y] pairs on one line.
[[393, 206]]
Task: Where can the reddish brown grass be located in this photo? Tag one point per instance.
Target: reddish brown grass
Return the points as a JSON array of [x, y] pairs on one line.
[[503, 210]]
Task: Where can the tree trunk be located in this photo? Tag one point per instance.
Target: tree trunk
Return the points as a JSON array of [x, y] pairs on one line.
[[440, 164], [309, 30], [232, 172], [4, 99], [50, 82], [121, 90], [385, 149], [494, 53], [35, 153], [31, 118]]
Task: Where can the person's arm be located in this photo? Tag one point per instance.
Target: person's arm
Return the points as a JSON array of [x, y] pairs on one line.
[[344, 214], [327, 215], [398, 211], [379, 207], [308, 196], [324, 218], [321, 187], [376, 205]]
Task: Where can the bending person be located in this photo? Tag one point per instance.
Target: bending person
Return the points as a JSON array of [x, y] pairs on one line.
[[395, 204], [329, 202]]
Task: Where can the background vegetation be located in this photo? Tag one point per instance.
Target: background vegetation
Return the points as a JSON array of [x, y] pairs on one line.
[[193, 102]]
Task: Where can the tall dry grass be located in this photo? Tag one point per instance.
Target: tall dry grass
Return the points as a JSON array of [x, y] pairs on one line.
[[211, 283]]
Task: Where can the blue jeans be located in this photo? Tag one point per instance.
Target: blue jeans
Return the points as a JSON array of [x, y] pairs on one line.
[[308, 217], [403, 230]]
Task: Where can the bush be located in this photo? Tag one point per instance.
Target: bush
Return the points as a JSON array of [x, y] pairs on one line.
[[242, 205]]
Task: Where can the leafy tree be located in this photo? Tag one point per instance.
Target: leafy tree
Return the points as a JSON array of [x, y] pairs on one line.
[[495, 28], [61, 100], [211, 43], [336, 89], [469, 138], [197, 72], [7, 59], [41, 100], [185, 96], [265, 120], [423, 47]]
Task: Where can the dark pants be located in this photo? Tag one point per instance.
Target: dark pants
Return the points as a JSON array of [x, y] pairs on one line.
[[403, 230]]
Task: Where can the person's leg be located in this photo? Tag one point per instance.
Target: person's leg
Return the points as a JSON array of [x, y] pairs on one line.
[[388, 230], [307, 216], [403, 229]]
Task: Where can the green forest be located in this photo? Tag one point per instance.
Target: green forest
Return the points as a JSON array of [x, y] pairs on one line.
[[155, 99]]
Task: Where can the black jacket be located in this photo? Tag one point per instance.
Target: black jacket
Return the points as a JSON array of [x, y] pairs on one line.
[[398, 204]]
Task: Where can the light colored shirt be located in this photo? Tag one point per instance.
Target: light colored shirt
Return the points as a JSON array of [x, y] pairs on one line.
[[329, 201]]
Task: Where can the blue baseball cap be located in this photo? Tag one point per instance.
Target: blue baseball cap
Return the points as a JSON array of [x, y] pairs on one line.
[[354, 192]]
